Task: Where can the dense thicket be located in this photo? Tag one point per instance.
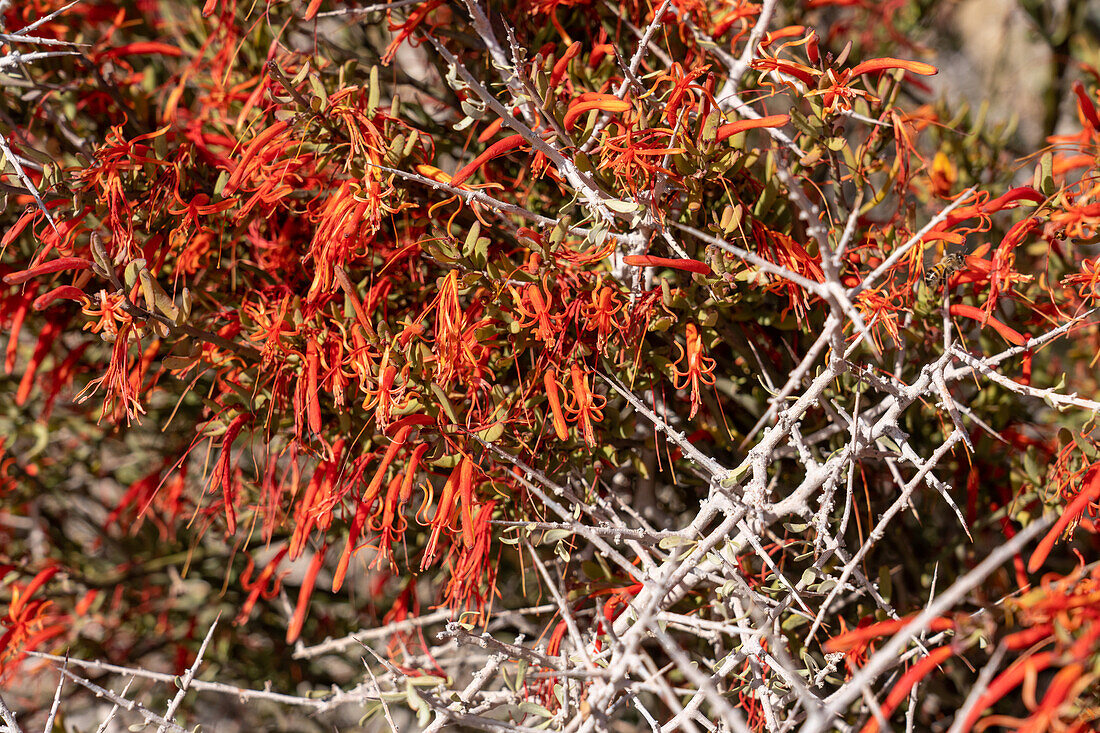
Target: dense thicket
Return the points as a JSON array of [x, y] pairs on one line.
[[596, 366]]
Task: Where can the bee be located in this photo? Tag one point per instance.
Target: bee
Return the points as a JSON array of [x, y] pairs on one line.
[[945, 268]]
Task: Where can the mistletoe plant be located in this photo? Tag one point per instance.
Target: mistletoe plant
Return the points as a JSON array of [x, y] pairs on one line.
[[663, 364]]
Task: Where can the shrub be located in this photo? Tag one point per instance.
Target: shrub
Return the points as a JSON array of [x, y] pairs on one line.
[[590, 364]]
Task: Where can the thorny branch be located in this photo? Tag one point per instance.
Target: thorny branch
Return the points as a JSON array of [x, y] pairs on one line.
[[718, 611]]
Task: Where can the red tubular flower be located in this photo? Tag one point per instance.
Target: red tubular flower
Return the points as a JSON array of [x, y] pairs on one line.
[[1002, 274], [883, 64], [458, 486], [682, 96], [618, 602], [223, 473], [695, 266], [486, 135], [473, 566], [696, 369], [584, 408], [322, 495], [29, 622], [732, 128], [911, 677], [1088, 495], [392, 524], [1027, 638], [266, 584], [259, 143], [466, 503], [534, 310], [67, 292], [550, 381], [968, 311], [1086, 106], [813, 50], [409, 421], [294, 630], [141, 48], [599, 51], [61, 263], [313, 406], [50, 332], [636, 157], [883, 310], [19, 598], [1088, 280], [403, 31], [1026, 193], [366, 503], [344, 224], [805, 74], [859, 637], [562, 63], [388, 520], [17, 306], [497, 149], [601, 315], [602, 102], [119, 390], [28, 216]]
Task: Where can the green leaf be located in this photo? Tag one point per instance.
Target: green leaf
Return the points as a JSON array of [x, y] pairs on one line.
[[1086, 448], [553, 535], [1047, 185], [427, 680], [444, 403], [1031, 467], [528, 707], [667, 543], [621, 207]]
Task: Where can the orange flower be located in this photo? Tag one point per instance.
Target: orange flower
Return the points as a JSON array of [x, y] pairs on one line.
[[497, 149], [534, 310], [588, 102], [695, 266], [584, 408], [1069, 477], [732, 128], [968, 311], [872, 304], [458, 489], [636, 155], [600, 314], [696, 369], [29, 621], [119, 389], [294, 630], [1088, 280], [550, 380]]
